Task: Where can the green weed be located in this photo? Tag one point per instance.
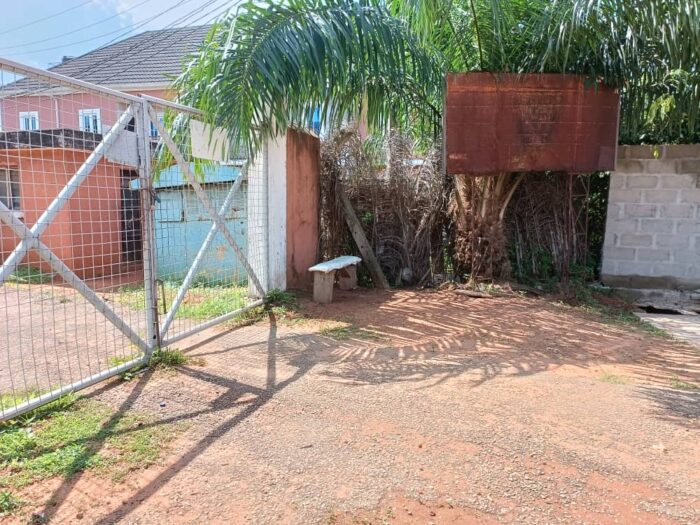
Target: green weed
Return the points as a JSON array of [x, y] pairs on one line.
[[164, 358], [349, 332], [8, 503], [29, 275], [613, 379], [683, 385], [86, 435], [11, 400]]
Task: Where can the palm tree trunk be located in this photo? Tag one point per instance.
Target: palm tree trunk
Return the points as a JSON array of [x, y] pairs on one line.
[[478, 210]]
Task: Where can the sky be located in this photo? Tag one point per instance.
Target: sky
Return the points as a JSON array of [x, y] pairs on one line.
[[41, 32]]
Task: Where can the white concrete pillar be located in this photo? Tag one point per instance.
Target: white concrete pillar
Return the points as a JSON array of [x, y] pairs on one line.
[[267, 215]]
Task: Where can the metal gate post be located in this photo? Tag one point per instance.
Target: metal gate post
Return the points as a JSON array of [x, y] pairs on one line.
[[149, 241]]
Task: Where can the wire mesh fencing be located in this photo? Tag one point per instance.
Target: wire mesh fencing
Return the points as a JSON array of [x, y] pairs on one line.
[[71, 237], [114, 238], [206, 236]]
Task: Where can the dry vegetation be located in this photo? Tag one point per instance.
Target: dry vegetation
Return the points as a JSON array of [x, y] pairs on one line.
[[399, 197]]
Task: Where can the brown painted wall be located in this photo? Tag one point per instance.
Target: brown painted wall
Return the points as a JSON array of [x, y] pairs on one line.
[[303, 194], [86, 234]]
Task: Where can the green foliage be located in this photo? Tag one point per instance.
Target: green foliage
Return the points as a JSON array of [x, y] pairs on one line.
[[648, 48], [276, 297], [8, 400], [81, 436], [204, 300], [683, 385], [8, 503], [597, 213], [269, 64], [167, 358], [30, 275]]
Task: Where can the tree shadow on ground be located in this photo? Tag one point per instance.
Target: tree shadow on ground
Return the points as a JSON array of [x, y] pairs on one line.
[[422, 338], [680, 407]]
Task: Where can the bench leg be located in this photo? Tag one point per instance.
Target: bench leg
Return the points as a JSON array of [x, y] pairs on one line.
[[347, 278], [323, 287]]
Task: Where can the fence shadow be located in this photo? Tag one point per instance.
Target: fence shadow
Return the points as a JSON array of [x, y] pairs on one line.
[[230, 398], [420, 339]]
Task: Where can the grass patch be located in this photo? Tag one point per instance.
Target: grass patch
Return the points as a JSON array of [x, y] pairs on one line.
[[282, 304], [8, 503], [201, 301], [85, 435], [11, 400], [29, 275], [164, 359], [349, 331], [683, 385], [613, 379], [612, 311]]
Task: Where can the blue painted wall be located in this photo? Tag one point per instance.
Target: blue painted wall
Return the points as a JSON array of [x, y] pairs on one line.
[[182, 223]]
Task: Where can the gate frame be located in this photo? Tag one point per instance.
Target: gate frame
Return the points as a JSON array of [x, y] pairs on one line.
[[218, 224], [139, 109]]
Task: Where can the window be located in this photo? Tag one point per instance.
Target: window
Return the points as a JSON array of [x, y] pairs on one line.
[[90, 120], [9, 188], [28, 120], [154, 129]]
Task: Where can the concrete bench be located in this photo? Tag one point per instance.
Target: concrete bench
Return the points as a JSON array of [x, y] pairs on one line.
[[324, 276]]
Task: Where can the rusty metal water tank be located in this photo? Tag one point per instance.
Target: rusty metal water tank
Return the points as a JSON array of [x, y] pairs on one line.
[[498, 122]]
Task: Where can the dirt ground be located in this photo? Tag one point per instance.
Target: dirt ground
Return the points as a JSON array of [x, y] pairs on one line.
[[433, 408]]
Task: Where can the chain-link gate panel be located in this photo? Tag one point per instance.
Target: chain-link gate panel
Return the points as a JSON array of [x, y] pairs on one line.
[[209, 238], [106, 218], [73, 236]]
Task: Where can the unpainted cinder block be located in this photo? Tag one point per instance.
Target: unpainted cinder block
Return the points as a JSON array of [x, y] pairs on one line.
[[665, 226], [661, 166], [652, 254], [689, 166], [678, 181], [640, 210], [659, 196], [625, 195], [676, 211], [629, 166], [642, 181], [636, 240]]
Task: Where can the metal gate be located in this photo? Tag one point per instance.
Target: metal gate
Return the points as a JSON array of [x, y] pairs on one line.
[[115, 239]]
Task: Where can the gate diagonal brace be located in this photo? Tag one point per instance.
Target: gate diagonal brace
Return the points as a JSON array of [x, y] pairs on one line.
[[30, 242], [57, 265], [203, 198], [192, 272]]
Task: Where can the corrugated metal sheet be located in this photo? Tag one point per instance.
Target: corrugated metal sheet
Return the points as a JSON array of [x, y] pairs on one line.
[[507, 122]]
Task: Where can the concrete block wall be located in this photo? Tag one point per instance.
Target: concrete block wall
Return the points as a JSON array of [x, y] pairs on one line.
[[652, 234]]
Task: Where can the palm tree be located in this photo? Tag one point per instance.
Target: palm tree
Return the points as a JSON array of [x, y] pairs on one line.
[[266, 66], [268, 62]]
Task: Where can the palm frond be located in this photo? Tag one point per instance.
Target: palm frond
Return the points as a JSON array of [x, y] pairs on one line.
[[270, 65]]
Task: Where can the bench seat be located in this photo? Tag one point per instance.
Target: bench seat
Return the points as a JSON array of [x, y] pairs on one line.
[[325, 273]]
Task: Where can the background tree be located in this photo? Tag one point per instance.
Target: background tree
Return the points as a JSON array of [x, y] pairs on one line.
[[267, 66]]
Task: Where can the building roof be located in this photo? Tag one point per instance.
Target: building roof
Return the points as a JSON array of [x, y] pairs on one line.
[[152, 58], [53, 138]]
